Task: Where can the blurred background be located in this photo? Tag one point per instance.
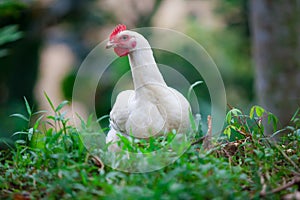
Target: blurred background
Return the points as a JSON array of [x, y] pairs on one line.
[[43, 42]]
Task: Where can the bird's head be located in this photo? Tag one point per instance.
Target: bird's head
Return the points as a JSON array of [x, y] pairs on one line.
[[124, 41]]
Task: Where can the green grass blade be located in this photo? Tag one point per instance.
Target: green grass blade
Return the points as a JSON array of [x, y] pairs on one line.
[[61, 105], [37, 122], [27, 107], [20, 116], [103, 117], [295, 114], [19, 133], [49, 101], [191, 88], [40, 112]]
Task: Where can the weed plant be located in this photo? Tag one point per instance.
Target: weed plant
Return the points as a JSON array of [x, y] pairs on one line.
[[50, 161]]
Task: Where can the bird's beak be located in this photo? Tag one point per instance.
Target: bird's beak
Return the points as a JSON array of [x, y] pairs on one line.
[[110, 44]]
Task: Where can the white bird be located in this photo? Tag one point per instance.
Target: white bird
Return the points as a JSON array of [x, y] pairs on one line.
[[152, 108]]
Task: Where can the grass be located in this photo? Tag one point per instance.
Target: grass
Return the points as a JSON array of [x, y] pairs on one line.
[[49, 161]]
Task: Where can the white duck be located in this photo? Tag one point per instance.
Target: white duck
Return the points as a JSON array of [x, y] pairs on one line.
[[152, 108]]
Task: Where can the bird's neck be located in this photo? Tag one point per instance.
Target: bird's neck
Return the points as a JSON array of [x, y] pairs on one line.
[[144, 68]]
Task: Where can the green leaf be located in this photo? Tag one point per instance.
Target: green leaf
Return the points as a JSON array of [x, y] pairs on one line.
[[37, 122], [49, 101], [101, 118], [20, 132], [259, 111], [55, 137], [251, 114], [38, 140], [61, 105], [52, 117], [191, 88], [20, 116], [192, 122], [90, 121], [27, 107], [227, 131], [83, 125], [40, 112], [295, 114], [49, 132], [9, 34], [21, 142], [274, 120], [259, 153], [126, 142], [231, 114]]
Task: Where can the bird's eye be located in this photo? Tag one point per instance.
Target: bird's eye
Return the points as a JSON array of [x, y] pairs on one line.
[[124, 37]]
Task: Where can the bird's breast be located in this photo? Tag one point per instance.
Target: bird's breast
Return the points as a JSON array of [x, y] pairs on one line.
[[158, 110]]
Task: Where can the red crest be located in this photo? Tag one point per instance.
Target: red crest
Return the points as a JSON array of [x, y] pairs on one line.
[[118, 29]]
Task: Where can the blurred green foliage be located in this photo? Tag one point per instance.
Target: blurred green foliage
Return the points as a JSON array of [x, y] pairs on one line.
[[17, 71], [53, 163], [230, 48], [8, 34], [10, 10]]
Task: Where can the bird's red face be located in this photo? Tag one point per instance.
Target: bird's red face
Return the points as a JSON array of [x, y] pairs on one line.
[[121, 41]]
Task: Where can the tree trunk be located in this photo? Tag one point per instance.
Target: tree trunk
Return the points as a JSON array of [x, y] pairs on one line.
[[276, 49]]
